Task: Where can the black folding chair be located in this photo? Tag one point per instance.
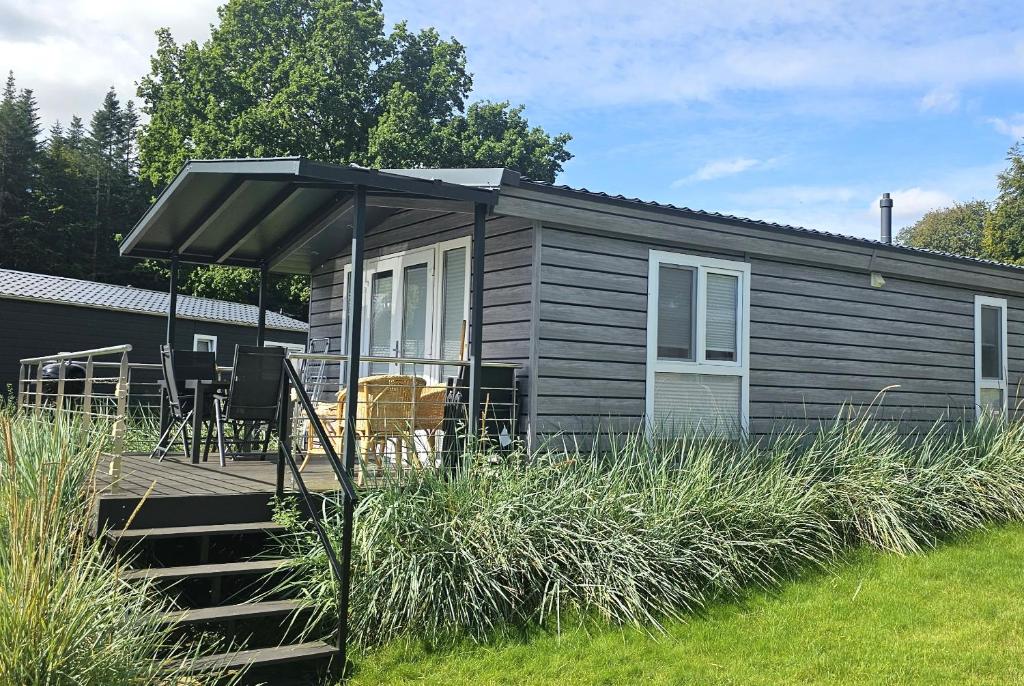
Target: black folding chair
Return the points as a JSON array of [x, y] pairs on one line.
[[179, 367], [250, 406]]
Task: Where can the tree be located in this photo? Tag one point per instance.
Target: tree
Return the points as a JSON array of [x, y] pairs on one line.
[[957, 229], [325, 79], [19, 174], [1004, 228]]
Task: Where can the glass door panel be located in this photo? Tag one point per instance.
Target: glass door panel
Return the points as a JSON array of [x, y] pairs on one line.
[[379, 318], [415, 303]]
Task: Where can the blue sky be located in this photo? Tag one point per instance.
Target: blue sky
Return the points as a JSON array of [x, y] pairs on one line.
[[801, 112]]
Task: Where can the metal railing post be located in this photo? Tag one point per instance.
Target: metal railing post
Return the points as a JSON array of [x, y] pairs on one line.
[[283, 426], [39, 388], [121, 394], [87, 393], [61, 376]]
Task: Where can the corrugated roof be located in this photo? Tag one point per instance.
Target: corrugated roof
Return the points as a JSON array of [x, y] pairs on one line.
[[600, 195], [59, 289]]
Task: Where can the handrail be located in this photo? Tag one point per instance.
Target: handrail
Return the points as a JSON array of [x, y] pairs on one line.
[[340, 569], [334, 357], [321, 432], [60, 357]]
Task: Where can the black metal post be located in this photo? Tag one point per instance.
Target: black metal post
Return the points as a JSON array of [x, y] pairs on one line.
[[172, 321], [261, 321], [476, 318], [355, 316], [172, 305]]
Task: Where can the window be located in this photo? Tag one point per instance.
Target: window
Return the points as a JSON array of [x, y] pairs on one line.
[[990, 355], [697, 357], [204, 344]]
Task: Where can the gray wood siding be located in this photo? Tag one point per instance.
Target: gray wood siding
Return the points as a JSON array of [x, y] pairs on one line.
[[508, 271], [820, 338]]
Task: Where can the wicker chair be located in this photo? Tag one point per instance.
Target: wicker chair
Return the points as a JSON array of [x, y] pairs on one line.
[[386, 407], [429, 417]]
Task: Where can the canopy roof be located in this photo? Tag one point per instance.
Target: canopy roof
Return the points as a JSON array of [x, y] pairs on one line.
[[291, 213]]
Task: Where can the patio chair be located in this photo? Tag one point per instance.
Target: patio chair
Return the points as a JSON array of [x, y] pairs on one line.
[[385, 412], [251, 404], [178, 368]]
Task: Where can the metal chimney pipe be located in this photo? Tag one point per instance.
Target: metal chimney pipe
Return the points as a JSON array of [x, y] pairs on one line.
[[886, 206]]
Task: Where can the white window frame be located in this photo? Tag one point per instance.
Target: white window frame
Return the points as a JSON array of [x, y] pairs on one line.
[[739, 367], [979, 382], [204, 337], [439, 249]]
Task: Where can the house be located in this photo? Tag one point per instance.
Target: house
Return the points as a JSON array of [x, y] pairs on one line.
[[42, 314], [614, 309]]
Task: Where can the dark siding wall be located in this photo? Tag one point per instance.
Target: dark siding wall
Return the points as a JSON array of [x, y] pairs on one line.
[[820, 338], [507, 279], [32, 329]]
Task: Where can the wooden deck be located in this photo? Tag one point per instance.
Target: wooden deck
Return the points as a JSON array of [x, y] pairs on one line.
[[176, 476]]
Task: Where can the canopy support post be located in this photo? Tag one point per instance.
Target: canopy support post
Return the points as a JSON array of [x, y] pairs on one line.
[[261, 321], [354, 334], [172, 305], [476, 319], [172, 321]]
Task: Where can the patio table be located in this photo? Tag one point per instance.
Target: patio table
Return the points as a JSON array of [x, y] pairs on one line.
[[201, 387]]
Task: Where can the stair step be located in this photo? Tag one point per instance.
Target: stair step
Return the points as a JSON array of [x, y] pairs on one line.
[[224, 613], [207, 570], [265, 657], [187, 531]]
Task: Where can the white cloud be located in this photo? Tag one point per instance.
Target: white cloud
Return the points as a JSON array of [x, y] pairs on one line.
[[795, 195], [1012, 126], [71, 51], [941, 99], [909, 204], [718, 169], [650, 51]]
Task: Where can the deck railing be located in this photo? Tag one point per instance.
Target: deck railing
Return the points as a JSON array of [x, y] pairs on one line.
[[96, 388]]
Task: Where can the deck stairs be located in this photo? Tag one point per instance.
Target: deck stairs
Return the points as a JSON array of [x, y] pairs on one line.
[[218, 568]]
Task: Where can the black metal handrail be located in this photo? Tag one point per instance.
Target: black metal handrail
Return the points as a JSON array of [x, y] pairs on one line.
[[340, 569]]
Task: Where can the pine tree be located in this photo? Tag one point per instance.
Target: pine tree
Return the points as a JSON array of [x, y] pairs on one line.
[[19, 170]]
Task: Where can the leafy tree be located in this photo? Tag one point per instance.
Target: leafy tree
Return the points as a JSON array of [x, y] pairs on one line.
[[324, 79], [957, 229], [1004, 228]]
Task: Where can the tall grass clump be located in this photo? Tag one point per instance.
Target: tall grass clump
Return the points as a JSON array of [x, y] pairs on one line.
[[66, 616], [646, 529]]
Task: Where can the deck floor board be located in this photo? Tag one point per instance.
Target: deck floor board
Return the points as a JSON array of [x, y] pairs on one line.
[[176, 475]]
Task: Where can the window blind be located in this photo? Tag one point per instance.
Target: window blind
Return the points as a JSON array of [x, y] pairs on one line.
[[720, 327], [453, 306], [685, 403]]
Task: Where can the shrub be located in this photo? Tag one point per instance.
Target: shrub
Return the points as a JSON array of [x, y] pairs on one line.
[[66, 616], [649, 529]]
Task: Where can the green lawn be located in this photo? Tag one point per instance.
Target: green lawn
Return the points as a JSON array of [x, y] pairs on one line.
[[955, 615]]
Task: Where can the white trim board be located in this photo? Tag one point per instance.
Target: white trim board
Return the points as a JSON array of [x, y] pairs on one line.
[[980, 383]]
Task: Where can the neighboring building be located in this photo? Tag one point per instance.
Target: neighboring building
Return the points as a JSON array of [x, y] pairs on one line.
[[618, 310], [42, 315]]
